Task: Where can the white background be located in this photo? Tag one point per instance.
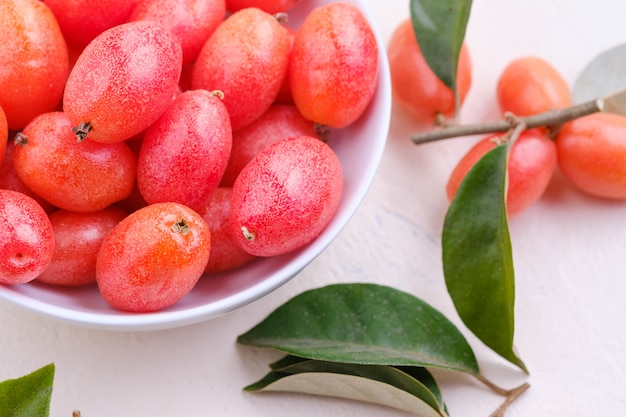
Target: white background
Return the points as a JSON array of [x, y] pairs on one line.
[[569, 252]]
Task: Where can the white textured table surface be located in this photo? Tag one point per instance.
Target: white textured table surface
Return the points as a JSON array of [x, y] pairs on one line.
[[568, 249]]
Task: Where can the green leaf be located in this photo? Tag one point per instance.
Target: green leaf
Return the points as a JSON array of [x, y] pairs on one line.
[[477, 255], [364, 324], [411, 389], [28, 396], [603, 76], [417, 372], [439, 27]]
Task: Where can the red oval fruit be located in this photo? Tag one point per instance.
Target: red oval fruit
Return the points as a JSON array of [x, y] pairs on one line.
[[246, 58], [76, 176], [226, 254], [531, 85], [33, 61], [153, 257], [78, 237], [26, 238], [531, 163], [334, 65], [184, 154], [415, 86], [285, 196], [592, 154], [123, 81], [191, 21], [82, 20], [277, 123]]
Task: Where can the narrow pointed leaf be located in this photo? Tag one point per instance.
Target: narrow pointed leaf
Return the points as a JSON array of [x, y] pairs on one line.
[[477, 255], [364, 324], [29, 395], [439, 26], [603, 76], [384, 385]]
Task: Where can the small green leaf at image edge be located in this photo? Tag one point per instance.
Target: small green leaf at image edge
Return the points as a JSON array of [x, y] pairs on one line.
[[29, 395]]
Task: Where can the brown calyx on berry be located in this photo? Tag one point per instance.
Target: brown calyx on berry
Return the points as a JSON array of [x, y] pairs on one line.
[[181, 227], [281, 18], [20, 139], [82, 130]]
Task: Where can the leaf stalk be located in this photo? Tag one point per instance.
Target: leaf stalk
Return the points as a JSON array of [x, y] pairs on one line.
[[510, 394]]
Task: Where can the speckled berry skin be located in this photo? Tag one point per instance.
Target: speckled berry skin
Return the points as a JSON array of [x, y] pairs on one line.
[[77, 176], [123, 81], [4, 135], [153, 257], [9, 180], [278, 122], [184, 154], [191, 21], [246, 58], [78, 237], [26, 238], [334, 65], [34, 61], [226, 254], [285, 196], [82, 20]]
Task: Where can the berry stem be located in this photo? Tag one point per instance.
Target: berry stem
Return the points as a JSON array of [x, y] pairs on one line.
[[549, 118], [247, 234]]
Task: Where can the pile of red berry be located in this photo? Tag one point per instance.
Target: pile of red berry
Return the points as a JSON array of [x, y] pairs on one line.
[[148, 142]]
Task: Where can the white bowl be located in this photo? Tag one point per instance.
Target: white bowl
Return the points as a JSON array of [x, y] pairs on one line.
[[359, 148]]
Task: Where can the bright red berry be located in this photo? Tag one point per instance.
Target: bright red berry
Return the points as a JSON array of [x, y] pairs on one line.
[[531, 163], [286, 196], [184, 154], [78, 237], [123, 81], [76, 176], [33, 61], [334, 65], [153, 258], [592, 154], [26, 238], [246, 58]]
